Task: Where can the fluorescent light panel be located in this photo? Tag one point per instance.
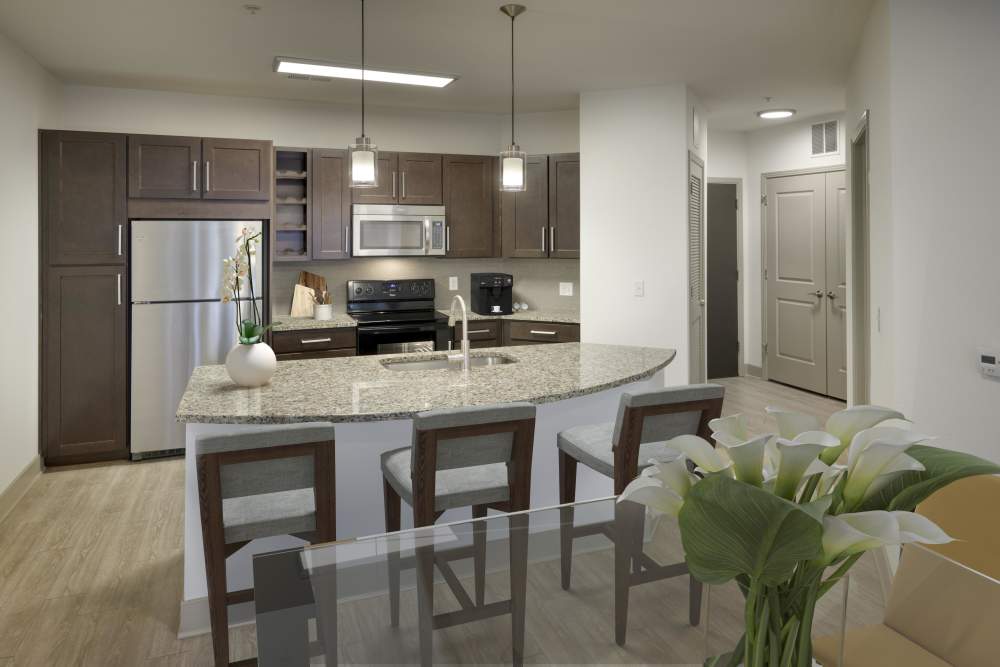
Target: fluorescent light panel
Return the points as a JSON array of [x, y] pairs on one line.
[[774, 114], [287, 66]]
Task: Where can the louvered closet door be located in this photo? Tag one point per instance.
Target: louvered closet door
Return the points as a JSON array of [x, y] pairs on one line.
[[696, 272]]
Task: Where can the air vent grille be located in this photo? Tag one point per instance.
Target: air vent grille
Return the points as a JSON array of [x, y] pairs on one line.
[[824, 138]]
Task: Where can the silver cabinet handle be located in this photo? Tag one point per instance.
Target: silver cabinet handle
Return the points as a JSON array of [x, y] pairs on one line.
[[208, 176], [543, 239], [194, 176], [393, 185], [552, 238], [119, 288], [402, 185], [347, 236], [119, 240], [311, 341], [543, 333], [447, 238], [479, 331]]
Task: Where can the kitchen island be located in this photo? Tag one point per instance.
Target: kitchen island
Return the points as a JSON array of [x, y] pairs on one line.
[[372, 400]]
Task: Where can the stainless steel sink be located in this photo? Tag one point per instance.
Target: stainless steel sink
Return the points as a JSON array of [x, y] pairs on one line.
[[442, 363]]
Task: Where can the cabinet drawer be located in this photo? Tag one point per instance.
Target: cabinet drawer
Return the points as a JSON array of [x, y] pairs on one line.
[[322, 354], [480, 330], [314, 340], [529, 333]]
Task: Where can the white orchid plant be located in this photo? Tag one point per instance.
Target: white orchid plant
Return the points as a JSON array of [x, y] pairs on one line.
[[237, 271], [783, 516]]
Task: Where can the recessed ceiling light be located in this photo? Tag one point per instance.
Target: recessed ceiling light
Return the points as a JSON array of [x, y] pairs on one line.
[[331, 71], [774, 114]]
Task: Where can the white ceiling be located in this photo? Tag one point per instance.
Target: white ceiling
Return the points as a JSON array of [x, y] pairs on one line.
[[731, 52]]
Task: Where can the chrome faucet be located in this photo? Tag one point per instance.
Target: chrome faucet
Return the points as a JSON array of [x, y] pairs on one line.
[[464, 354]]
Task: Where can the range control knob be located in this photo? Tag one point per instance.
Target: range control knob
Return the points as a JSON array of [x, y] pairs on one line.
[[369, 290], [358, 290]]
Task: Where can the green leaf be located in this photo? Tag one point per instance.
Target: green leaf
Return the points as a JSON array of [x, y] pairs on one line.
[[730, 528], [941, 468]]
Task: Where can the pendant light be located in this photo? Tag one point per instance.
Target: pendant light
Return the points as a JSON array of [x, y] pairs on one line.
[[512, 160], [363, 154]]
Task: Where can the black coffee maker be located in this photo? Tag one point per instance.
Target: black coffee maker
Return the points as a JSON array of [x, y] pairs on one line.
[[492, 293]]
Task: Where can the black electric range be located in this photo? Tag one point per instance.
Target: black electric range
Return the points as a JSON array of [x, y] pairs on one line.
[[396, 316]]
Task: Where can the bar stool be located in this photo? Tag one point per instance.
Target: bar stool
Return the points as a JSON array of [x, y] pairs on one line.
[[477, 457], [620, 450], [260, 484]]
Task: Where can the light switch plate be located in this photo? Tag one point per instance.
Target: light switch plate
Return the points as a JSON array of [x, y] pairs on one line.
[[453, 283], [640, 288], [565, 289]]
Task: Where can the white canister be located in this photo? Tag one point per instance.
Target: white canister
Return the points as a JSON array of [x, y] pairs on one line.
[[251, 365], [323, 311]]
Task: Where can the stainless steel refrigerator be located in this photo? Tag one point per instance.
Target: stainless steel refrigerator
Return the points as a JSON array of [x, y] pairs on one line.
[[178, 320]]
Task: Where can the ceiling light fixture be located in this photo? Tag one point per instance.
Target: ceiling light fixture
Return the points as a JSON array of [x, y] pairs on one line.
[[775, 114], [512, 160], [321, 70], [363, 154]]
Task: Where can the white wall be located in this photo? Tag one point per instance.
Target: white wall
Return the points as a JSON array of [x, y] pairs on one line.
[[633, 218], [28, 98], [293, 123], [945, 93]]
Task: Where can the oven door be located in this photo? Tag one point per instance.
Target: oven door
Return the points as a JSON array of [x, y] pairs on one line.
[[393, 339]]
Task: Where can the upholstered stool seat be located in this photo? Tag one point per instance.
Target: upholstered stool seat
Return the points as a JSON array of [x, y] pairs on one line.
[[459, 487], [590, 444]]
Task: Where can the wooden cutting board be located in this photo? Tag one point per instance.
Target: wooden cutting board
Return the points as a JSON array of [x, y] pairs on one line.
[[316, 282]]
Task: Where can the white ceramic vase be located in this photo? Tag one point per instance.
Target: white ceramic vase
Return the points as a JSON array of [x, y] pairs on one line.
[[251, 365]]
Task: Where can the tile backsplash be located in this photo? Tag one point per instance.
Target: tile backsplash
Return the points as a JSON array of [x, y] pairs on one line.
[[536, 281]]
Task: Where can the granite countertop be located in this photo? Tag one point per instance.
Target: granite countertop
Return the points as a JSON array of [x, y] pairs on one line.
[[557, 316], [360, 389], [289, 323]]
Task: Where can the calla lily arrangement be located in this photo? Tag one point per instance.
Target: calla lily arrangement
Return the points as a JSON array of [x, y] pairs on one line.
[[779, 514]]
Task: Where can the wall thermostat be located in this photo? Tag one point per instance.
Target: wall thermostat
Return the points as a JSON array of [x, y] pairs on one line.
[[989, 363]]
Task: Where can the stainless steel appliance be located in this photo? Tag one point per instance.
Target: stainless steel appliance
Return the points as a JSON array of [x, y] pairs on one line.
[[492, 293], [386, 230], [396, 316], [177, 319]]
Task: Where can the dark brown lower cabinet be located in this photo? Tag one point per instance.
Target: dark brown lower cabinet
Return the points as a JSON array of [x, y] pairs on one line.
[[84, 364], [315, 343], [482, 333], [517, 332]]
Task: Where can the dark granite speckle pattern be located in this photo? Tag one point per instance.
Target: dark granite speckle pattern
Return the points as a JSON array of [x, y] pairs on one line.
[[361, 389]]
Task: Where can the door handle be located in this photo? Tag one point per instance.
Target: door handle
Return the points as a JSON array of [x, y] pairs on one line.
[[393, 185], [208, 176], [818, 293], [194, 176], [402, 185], [119, 240], [544, 248], [831, 295]]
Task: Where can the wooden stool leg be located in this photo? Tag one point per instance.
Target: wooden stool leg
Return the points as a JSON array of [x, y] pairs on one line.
[[518, 583], [626, 524], [213, 541], [479, 552], [392, 504], [567, 494], [694, 601], [425, 602]]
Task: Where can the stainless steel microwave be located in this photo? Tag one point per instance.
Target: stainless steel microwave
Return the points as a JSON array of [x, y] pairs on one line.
[[387, 230]]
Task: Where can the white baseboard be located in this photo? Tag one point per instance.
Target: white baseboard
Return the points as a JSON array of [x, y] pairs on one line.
[[754, 371], [195, 620], [19, 486]]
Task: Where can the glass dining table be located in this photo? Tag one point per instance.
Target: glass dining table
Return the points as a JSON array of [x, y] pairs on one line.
[[546, 586]]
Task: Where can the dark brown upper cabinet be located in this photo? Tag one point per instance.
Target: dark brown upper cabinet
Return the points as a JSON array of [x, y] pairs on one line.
[[164, 167], [84, 364], [330, 204], [83, 198], [468, 199], [237, 169], [404, 178], [564, 205], [420, 179], [387, 191], [525, 215]]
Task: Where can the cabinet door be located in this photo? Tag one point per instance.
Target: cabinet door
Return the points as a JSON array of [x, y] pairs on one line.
[[564, 205], [164, 167], [468, 200], [525, 215], [330, 205], [237, 169], [420, 179], [83, 364], [388, 183], [83, 198]]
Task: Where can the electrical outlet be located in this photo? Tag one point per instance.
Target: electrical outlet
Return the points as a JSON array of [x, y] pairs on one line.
[[640, 288], [453, 283], [565, 289]]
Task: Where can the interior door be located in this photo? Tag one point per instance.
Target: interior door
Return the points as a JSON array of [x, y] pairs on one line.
[[796, 281], [838, 222], [696, 272], [722, 281]]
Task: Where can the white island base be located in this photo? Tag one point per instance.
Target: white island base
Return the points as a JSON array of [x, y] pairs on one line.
[[359, 488]]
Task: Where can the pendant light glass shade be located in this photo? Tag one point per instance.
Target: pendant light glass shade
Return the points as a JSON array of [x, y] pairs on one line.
[[363, 160], [512, 169]]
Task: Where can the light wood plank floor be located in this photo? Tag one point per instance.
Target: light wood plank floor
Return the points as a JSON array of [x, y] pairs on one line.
[[91, 566]]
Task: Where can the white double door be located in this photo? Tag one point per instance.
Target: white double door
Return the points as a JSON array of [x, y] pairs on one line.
[[807, 217]]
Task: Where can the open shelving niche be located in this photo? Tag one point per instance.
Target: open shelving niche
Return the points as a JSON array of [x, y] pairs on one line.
[[290, 229]]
